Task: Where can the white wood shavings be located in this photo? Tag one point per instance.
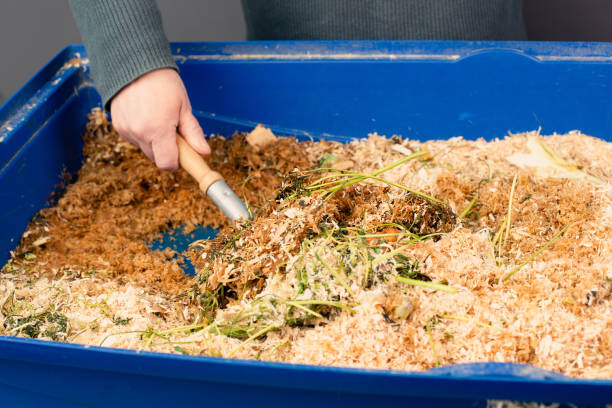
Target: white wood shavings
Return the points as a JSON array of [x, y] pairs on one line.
[[260, 137], [554, 313]]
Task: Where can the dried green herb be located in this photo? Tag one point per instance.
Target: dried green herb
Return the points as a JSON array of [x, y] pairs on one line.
[[49, 324], [120, 321], [409, 269]]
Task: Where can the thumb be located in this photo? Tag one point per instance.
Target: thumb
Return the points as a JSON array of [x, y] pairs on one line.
[[165, 151], [192, 132]]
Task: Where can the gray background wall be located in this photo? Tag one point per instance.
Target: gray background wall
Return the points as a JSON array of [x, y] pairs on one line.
[[33, 31]]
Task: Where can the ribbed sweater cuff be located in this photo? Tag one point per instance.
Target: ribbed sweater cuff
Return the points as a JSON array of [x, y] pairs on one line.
[[124, 40]]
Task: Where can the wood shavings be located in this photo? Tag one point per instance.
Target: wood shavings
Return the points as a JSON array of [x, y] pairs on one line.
[[545, 163], [260, 137], [313, 281]]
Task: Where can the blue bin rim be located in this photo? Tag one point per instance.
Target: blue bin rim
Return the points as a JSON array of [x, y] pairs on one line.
[[408, 50], [255, 372]]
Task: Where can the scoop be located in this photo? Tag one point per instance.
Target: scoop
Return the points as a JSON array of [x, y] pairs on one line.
[[211, 182]]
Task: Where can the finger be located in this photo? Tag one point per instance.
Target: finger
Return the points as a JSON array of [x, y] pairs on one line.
[[192, 132], [165, 151], [147, 149]]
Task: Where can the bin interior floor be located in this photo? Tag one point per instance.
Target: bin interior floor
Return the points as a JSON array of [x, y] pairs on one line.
[[455, 253]]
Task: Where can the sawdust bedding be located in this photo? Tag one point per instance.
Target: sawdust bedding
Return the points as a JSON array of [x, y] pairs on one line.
[[467, 251]]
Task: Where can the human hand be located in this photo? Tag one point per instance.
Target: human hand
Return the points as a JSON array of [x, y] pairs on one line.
[[150, 110]]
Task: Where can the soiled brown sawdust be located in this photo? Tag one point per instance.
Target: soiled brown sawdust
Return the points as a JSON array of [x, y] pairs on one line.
[[87, 257], [272, 238], [120, 203]]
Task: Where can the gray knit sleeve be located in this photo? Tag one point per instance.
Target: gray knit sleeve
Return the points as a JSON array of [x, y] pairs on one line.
[[124, 40]]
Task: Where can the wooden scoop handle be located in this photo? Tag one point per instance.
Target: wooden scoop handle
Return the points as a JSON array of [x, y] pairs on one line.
[[195, 165]]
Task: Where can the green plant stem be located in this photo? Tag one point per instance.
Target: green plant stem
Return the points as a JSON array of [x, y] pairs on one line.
[[358, 177], [433, 343], [429, 285], [562, 163], [535, 255], [335, 274], [78, 334], [467, 319], [305, 309], [123, 332], [253, 337], [396, 251], [376, 235], [275, 349], [377, 172], [182, 328], [10, 297], [323, 302], [499, 232], [465, 212], [509, 217], [346, 179], [244, 197], [152, 335], [401, 161]]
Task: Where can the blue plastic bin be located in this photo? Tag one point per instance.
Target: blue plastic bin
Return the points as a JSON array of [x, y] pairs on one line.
[[335, 90]]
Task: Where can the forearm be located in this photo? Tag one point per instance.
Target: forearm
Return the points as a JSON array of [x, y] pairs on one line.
[[124, 40]]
